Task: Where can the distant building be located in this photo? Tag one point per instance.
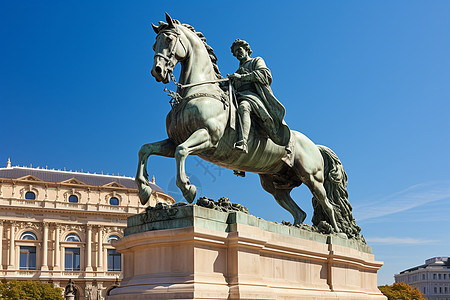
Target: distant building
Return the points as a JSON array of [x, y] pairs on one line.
[[432, 279], [56, 225]]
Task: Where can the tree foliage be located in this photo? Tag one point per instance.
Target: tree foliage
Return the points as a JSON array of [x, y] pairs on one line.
[[29, 290], [401, 291]]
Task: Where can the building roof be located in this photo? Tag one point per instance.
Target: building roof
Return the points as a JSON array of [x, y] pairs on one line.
[[60, 176], [431, 262]]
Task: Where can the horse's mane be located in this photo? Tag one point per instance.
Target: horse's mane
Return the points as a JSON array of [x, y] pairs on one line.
[[212, 55], [209, 49]]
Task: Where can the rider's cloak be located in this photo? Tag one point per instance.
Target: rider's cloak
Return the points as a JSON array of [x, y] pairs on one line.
[[254, 87]]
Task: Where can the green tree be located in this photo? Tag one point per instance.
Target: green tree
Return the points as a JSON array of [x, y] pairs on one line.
[[29, 290], [401, 291]]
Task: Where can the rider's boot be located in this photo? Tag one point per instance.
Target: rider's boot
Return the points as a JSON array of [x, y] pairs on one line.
[[241, 145], [244, 112]]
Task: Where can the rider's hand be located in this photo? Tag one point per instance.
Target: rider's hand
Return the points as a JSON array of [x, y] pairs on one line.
[[234, 76]]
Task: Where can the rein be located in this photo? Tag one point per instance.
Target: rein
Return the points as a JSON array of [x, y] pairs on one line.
[[182, 86], [177, 99], [229, 100]]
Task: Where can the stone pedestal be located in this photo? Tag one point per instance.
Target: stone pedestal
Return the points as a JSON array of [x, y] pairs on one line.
[[191, 252], [70, 297]]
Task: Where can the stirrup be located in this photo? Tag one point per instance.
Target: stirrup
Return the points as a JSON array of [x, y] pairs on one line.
[[241, 145]]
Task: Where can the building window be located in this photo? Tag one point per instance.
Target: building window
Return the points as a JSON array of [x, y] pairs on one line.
[[27, 258], [28, 236], [30, 196], [434, 276], [435, 288], [114, 201], [446, 290], [112, 237], [424, 290], [72, 237], [445, 276], [72, 259], [423, 276], [73, 199], [114, 260], [440, 276]]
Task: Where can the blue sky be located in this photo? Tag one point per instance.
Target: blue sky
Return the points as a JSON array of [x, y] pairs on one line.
[[369, 79]]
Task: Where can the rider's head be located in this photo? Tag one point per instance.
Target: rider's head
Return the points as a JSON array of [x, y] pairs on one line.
[[240, 43]]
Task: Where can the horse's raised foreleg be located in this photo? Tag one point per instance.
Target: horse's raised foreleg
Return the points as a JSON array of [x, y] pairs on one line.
[[198, 141], [162, 148], [283, 198]]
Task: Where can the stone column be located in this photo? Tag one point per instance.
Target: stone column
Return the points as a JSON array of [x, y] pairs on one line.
[[1, 245], [57, 255], [89, 248], [105, 258], [44, 266], [12, 253], [100, 249]]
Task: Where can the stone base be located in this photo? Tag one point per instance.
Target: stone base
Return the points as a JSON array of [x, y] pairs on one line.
[[191, 252]]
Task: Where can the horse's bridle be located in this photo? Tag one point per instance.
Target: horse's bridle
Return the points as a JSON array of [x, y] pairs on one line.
[[171, 54], [170, 65]]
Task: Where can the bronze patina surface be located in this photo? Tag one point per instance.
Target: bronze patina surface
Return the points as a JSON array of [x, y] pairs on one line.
[[205, 122]]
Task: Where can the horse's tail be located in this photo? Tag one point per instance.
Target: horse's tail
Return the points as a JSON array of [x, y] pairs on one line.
[[335, 183]]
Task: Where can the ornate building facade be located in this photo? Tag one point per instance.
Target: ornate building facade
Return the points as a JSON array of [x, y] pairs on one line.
[[432, 278], [58, 225]]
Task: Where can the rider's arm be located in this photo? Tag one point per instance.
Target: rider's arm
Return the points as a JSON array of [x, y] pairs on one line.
[[261, 73]]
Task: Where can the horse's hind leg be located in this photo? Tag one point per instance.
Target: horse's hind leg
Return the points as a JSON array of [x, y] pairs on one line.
[[283, 198], [315, 185], [162, 148], [199, 140]]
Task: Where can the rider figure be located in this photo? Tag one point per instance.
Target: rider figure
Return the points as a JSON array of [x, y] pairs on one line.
[[252, 84]]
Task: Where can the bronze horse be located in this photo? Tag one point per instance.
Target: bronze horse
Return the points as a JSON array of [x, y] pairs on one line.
[[200, 125]]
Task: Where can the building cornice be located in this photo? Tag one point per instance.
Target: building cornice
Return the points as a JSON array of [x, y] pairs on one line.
[[50, 184], [68, 211]]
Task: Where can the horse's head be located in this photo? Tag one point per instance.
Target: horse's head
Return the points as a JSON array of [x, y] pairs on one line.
[[169, 49]]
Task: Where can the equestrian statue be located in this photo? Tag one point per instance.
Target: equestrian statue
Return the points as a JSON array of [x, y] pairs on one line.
[[237, 123]]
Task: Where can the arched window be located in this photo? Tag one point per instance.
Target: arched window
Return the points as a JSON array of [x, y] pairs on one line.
[[112, 237], [29, 236], [72, 237], [30, 196], [73, 199], [27, 257], [114, 201]]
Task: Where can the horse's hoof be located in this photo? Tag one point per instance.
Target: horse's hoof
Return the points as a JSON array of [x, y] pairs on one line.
[[190, 193], [300, 219], [144, 193]]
